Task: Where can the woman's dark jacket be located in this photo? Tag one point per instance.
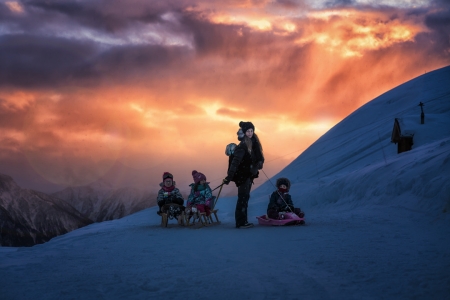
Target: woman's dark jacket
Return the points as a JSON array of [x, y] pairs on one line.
[[244, 165]]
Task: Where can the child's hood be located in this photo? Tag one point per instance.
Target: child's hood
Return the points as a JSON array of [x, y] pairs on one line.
[[286, 180]]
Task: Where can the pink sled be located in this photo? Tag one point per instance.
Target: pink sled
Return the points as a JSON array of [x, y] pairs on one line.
[[289, 219]]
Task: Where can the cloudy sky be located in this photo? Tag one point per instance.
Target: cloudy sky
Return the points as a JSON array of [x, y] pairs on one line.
[[90, 87]]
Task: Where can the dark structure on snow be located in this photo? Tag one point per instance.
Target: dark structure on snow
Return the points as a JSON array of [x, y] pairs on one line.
[[403, 139]]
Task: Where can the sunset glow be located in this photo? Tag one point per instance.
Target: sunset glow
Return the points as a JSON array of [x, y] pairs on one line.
[[352, 33], [89, 89]]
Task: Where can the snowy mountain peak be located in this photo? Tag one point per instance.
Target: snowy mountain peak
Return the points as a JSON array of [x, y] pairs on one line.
[[7, 184], [28, 217], [101, 185]]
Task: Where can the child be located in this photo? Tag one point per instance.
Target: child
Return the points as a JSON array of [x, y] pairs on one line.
[[169, 194], [281, 201], [201, 195]]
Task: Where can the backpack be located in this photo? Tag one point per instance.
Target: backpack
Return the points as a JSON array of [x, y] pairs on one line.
[[229, 151]]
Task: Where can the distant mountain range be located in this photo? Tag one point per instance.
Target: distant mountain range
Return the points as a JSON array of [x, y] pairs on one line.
[[29, 217], [101, 202]]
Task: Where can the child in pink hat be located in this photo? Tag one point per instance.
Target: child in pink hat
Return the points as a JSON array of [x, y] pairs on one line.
[[200, 196]]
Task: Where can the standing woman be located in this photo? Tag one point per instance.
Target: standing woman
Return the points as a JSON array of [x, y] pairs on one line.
[[248, 159]]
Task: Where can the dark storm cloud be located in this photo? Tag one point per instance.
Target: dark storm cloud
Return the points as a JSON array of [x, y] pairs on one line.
[[339, 3], [233, 41], [438, 39], [145, 61], [116, 16], [39, 59], [108, 15], [42, 57], [32, 61], [83, 13], [219, 39]]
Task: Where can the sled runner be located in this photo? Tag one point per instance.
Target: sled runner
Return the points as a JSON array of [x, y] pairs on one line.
[[289, 219], [200, 219]]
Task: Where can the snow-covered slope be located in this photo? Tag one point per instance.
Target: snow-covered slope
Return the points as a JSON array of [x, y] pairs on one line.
[[377, 226], [355, 162], [28, 217]]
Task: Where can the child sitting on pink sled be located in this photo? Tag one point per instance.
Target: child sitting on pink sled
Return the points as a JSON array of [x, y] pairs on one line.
[[281, 202]]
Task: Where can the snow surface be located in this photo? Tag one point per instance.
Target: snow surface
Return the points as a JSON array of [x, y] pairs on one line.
[[378, 226]]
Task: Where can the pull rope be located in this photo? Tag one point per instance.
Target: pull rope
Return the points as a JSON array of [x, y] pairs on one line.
[[217, 187], [217, 198]]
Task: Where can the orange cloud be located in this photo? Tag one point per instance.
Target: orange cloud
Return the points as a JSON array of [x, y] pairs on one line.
[[16, 100], [352, 33]]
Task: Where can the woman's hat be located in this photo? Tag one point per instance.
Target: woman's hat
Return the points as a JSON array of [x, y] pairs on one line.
[[246, 126]]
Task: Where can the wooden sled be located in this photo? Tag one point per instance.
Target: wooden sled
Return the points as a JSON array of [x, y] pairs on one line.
[[167, 215], [200, 219], [213, 211]]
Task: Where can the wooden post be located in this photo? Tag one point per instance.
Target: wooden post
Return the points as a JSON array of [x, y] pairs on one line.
[[422, 115]]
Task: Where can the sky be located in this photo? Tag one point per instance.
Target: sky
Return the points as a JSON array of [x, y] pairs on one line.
[[126, 90], [377, 226]]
